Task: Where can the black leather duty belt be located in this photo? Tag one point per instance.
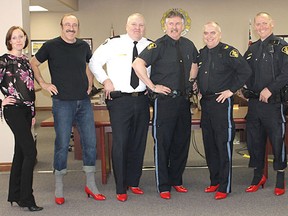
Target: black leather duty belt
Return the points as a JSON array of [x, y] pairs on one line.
[[133, 94], [117, 94]]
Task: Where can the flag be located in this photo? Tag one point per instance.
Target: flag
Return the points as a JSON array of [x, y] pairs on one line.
[[249, 37]]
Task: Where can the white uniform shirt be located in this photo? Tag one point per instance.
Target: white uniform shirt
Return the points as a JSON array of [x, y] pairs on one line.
[[116, 53]]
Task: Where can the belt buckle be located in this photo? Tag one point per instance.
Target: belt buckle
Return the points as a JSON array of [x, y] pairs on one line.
[[135, 94], [175, 93]]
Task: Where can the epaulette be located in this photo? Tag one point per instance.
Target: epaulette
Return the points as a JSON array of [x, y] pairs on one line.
[[150, 40], [225, 46], [275, 42], [110, 38], [117, 36], [234, 53]]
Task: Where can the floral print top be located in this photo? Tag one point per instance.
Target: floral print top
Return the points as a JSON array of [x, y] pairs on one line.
[[17, 80]]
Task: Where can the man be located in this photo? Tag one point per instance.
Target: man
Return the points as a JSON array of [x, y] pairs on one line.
[[268, 58], [67, 57], [222, 71], [172, 58], [127, 103]]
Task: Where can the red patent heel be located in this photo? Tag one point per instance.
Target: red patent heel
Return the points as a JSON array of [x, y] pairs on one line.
[[254, 188], [211, 188], [98, 197], [59, 200]]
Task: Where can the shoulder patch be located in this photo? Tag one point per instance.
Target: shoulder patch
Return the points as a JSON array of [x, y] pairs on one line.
[[234, 53], [285, 50], [151, 46]]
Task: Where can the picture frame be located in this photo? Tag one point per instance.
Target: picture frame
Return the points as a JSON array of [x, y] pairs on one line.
[[89, 41], [36, 45]]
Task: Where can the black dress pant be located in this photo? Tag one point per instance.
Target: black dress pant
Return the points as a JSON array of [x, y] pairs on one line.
[[129, 118], [171, 133], [218, 131], [21, 176], [266, 120]]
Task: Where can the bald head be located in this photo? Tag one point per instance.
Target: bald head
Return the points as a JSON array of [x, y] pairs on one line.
[[135, 26]]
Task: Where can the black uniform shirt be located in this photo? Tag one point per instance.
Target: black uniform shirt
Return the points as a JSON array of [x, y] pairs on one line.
[[165, 68], [226, 69], [269, 64]]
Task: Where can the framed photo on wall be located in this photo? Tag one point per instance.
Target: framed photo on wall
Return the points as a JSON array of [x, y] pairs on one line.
[[89, 41], [36, 45]]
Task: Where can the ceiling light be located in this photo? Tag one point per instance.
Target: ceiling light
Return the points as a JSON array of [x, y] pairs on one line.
[[36, 8]]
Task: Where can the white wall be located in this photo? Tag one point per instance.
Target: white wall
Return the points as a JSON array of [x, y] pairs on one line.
[[9, 16], [97, 16]]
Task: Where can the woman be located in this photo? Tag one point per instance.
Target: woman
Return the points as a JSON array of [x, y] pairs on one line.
[[17, 85]]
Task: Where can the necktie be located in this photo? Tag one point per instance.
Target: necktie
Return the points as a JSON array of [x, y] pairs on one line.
[[206, 73], [182, 71], [134, 82]]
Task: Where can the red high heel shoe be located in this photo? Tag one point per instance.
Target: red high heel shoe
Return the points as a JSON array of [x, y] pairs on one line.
[[98, 197], [254, 188], [122, 197], [59, 200], [220, 195], [279, 191], [181, 189], [165, 195], [211, 188], [136, 190]]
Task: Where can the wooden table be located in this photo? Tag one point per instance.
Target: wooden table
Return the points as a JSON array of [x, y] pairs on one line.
[[103, 127]]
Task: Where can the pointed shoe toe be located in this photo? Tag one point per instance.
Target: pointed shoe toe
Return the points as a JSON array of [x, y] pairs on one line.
[[122, 197], [35, 208], [279, 191], [211, 188], [59, 200], [136, 190], [220, 195], [180, 189], [165, 195]]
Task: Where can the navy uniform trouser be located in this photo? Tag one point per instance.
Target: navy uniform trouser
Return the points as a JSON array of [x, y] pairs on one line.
[[218, 131], [129, 118], [266, 120], [171, 133]]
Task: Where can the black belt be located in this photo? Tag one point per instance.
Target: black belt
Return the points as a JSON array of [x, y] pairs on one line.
[[133, 94], [176, 93], [210, 96]]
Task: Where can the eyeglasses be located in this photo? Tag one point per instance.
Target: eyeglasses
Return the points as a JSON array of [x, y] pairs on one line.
[[69, 25]]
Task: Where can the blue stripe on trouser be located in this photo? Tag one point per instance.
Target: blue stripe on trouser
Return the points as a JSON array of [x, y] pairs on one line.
[[283, 133], [229, 110], [156, 142]]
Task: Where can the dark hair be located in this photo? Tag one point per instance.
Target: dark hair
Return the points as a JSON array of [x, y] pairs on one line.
[[175, 13], [9, 35]]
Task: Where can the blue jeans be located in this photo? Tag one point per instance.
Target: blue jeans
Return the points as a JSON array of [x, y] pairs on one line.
[[66, 113]]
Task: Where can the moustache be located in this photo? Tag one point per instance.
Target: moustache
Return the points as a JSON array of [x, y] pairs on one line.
[[174, 30], [70, 31]]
